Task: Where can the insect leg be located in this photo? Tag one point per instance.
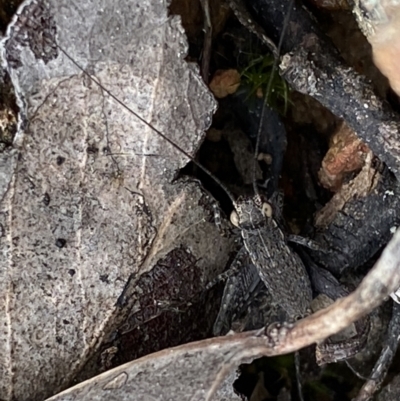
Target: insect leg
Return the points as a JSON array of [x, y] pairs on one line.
[[238, 289]]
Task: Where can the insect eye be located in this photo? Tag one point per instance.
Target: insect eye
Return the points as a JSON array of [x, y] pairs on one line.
[[234, 219], [267, 209]]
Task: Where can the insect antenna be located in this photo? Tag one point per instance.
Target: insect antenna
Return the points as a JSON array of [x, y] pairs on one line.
[[268, 91], [256, 149], [158, 132]]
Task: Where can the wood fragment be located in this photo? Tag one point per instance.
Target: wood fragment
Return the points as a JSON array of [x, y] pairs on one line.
[[313, 66], [360, 186]]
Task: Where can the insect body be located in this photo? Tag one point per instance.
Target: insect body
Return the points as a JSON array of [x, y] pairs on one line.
[[279, 267], [264, 260]]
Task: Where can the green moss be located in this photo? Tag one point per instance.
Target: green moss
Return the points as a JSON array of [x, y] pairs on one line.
[[256, 76]]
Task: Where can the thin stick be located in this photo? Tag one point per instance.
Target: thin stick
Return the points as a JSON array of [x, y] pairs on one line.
[[378, 284], [269, 86], [205, 59]]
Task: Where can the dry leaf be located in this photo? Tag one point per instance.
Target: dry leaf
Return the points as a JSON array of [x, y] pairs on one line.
[[88, 204], [380, 23], [224, 83]]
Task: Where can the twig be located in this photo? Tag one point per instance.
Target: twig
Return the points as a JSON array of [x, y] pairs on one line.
[[372, 291], [385, 360], [205, 59]]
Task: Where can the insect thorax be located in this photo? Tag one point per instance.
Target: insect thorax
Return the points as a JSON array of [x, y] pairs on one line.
[[251, 212]]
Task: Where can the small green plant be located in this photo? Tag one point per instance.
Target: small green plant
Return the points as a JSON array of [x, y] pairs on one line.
[[256, 76]]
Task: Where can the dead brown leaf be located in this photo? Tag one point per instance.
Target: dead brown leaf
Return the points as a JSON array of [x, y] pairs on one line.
[[346, 154], [224, 83]]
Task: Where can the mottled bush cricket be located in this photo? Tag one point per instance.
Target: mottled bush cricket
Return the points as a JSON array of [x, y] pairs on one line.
[[280, 268], [266, 247]]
